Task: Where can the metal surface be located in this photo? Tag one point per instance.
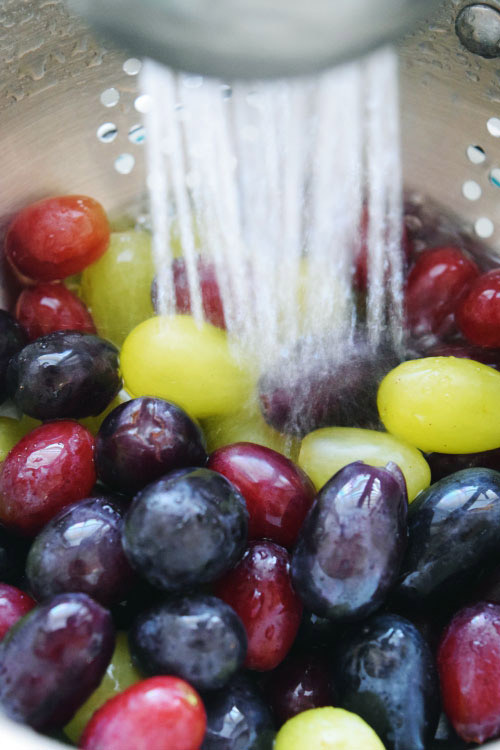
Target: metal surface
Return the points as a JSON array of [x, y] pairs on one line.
[[253, 38], [53, 76]]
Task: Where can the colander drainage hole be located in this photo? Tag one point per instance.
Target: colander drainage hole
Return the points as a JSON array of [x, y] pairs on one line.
[[110, 97], [132, 66], [143, 103], [124, 163], [471, 190], [493, 126], [484, 227], [107, 132], [137, 134], [476, 154], [495, 177]]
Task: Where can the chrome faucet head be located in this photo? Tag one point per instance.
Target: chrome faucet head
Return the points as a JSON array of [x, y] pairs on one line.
[[253, 38]]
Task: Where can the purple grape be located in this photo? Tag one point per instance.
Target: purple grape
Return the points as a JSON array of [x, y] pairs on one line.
[[237, 718], [186, 529], [199, 638], [53, 659], [352, 543], [306, 391], [300, 683], [444, 464], [144, 439], [386, 674], [454, 528], [12, 340], [64, 374], [81, 550]]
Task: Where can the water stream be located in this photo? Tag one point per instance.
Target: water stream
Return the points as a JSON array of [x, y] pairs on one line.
[[281, 184]]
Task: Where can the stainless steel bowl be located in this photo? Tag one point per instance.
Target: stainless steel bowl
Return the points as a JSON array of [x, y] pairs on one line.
[[69, 111]]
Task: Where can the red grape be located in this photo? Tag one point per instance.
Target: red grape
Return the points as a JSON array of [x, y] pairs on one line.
[[211, 300], [278, 494], [436, 284], [14, 603], [45, 308], [479, 314], [361, 266], [50, 467], [57, 237], [161, 712], [301, 682], [469, 670], [260, 591]]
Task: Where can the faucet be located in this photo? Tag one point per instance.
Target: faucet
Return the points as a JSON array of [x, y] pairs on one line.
[[253, 38]]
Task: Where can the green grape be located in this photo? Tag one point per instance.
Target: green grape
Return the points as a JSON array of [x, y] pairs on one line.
[[327, 729], [171, 357], [120, 674], [11, 432], [442, 404], [247, 426], [117, 288], [326, 451]]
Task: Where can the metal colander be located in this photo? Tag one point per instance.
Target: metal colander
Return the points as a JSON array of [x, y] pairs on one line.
[[70, 121]]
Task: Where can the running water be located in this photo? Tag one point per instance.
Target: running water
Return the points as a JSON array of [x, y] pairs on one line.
[[282, 184]]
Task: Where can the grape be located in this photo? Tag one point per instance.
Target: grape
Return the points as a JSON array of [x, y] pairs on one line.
[[198, 638], [246, 425], [351, 545], [57, 237], [116, 287], [327, 728], [12, 340], [260, 591], [438, 281], [277, 493], [144, 439], [442, 404], [14, 604], [162, 713], [186, 529], [46, 308], [326, 451], [213, 309], [361, 265], [64, 374], [80, 550], [479, 314], [53, 660], [168, 357], [386, 674], [300, 683], [237, 718], [302, 394], [50, 468], [120, 674], [460, 512], [469, 663]]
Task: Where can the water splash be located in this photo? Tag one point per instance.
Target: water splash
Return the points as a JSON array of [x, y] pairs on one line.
[[282, 184]]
